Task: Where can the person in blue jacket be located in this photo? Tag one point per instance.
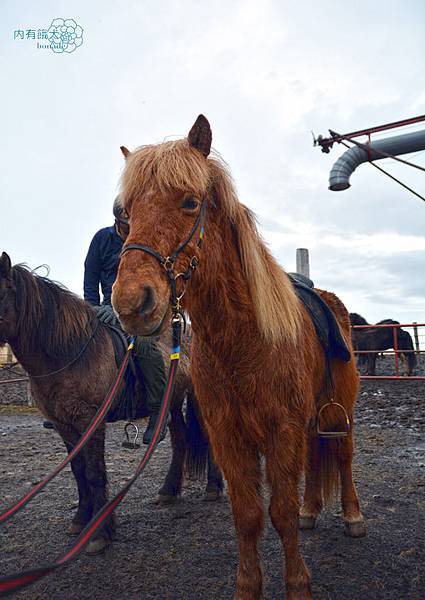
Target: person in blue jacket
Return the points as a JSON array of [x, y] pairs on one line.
[[100, 272]]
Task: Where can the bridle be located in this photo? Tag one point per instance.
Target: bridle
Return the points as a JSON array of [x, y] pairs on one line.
[[168, 262]]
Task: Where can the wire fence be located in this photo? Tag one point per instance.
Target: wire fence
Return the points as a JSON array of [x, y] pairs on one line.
[[392, 351], [402, 345]]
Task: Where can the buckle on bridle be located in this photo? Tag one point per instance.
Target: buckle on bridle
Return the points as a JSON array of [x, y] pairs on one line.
[[168, 263], [194, 262]]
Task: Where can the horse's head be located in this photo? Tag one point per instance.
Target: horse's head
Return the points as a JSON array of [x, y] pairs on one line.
[[164, 188], [8, 316]]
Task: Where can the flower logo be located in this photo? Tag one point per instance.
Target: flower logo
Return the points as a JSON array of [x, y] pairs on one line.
[[65, 35]]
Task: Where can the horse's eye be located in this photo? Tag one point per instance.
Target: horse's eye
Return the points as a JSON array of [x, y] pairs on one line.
[[189, 203]]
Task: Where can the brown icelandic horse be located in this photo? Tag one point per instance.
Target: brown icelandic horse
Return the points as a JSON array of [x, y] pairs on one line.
[[257, 365], [47, 327]]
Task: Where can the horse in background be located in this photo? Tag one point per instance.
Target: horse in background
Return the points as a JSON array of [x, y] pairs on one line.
[[381, 339], [47, 327], [258, 367], [356, 319]]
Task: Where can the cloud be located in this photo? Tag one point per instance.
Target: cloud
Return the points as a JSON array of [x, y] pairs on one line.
[[265, 74]]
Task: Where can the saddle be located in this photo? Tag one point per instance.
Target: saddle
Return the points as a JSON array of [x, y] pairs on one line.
[[324, 321], [333, 344], [130, 404]]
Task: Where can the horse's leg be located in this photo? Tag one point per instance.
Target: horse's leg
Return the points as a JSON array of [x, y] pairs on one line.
[[283, 468], [94, 454], [371, 365], [353, 518], [313, 501], [172, 485], [84, 512], [405, 364], [214, 489], [241, 467]]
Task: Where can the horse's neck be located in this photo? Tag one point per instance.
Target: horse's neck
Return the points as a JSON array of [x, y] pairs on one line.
[[36, 358], [33, 362]]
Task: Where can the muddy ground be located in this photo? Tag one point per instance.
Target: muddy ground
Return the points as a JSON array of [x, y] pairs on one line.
[[188, 550]]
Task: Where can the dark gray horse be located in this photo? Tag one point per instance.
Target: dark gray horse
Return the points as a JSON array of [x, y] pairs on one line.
[[379, 339]]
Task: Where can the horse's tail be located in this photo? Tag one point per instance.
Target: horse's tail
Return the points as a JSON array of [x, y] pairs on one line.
[[329, 453], [406, 343], [197, 442], [411, 361], [335, 451]]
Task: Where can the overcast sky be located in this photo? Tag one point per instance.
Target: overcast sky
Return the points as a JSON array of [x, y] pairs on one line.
[[265, 74]]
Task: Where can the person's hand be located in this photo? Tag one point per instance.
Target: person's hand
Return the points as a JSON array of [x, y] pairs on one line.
[[105, 313]]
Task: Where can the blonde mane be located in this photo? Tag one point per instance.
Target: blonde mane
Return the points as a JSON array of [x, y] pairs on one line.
[[174, 165]]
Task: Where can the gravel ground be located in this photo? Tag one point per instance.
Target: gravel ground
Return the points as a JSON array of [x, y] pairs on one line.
[[188, 550]]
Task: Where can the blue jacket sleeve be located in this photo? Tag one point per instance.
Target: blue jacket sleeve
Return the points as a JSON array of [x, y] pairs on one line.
[[92, 270]]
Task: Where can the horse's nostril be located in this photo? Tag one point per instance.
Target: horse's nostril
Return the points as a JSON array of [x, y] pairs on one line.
[[148, 301]]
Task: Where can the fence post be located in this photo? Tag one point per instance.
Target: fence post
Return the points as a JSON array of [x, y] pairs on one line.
[[303, 263], [416, 336]]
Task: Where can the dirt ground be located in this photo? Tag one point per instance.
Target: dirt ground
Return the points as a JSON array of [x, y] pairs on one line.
[[188, 550]]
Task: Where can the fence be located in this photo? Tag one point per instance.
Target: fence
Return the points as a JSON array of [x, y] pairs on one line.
[[14, 385], [402, 341]]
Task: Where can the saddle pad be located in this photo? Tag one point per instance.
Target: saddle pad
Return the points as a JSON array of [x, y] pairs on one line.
[[324, 321]]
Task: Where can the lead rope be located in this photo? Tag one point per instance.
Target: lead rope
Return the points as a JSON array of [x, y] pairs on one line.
[[12, 583], [97, 419]]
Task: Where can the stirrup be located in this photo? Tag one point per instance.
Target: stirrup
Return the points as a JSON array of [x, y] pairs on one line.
[[127, 443], [333, 434]]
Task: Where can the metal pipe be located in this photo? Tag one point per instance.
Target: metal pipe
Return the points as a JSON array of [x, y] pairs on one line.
[[339, 178]]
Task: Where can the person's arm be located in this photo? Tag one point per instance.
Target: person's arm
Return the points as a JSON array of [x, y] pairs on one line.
[[92, 270]]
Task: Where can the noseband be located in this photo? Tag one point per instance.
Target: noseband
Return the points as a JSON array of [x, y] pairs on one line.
[[168, 262]]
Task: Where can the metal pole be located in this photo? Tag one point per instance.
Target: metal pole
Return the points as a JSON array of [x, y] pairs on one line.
[[327, 143], [303, 263], [395, 345], [416, 336]]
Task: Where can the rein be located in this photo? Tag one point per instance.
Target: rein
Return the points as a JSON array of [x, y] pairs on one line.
[[12, 583], [168, 262]]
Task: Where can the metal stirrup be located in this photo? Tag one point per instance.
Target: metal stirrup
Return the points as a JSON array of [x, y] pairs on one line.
[[333, 434]]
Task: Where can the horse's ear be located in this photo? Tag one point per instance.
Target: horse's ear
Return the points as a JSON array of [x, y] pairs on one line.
[[200, 136], [126, 152], [5, 266]]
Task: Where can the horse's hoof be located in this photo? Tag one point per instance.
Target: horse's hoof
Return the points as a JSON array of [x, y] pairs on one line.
[[355, 529], [97, 546], [165, 499], [212, 495], [306, 522], [75, 528]]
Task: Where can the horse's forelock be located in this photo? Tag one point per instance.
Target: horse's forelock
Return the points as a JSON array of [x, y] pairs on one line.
[[168, 167]]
